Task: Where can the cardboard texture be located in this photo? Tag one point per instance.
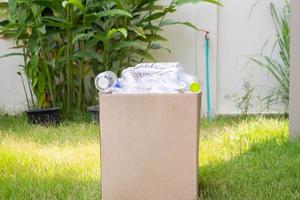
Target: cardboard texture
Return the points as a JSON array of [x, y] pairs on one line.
[[149, 146]]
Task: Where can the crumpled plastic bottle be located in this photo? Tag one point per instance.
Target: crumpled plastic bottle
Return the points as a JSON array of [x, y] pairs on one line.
[[164, 77], [149, 78], [106, 81]]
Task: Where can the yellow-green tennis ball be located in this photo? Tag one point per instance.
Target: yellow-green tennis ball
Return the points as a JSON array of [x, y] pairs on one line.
[[195, 87]]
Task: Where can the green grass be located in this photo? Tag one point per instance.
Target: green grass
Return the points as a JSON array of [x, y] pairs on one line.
[[48, 162], [250, 159], [240, 158]]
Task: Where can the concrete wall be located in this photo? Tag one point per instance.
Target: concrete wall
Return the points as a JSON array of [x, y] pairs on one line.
[[242, 33], [12, 98], [295, 71], [234, 37], [188, 45], [238, 30]]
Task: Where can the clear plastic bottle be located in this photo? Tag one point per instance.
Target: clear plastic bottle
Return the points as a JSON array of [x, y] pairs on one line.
[[148, 78], [158, 65], [192, 83], [156, 68], [160, 77], [128, 81], [106, 81], [130, 76]]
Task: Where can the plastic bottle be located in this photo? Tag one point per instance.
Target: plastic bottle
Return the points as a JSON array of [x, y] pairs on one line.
[[192, 83], [156, 68], [158, 65], [160, 77], [105, 81], [130, 76], [128, 81], [148, 78]]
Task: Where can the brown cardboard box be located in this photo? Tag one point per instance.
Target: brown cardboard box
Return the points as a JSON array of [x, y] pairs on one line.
[[149, 146]]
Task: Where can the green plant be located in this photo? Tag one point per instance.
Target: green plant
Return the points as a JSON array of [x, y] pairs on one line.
[[243, 103], [279, 68], [25, 25], [3, 11], [66, 43]]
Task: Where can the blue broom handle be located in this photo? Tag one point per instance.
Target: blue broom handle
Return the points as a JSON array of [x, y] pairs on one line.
[[209, 114]]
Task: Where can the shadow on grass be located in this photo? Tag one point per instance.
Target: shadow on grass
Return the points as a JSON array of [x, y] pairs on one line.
[[72, 132], [269, 170], [20, 121]]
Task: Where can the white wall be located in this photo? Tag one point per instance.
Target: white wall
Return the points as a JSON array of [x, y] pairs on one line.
[[295, 71], [240, 36], [188, 45], [12, 96], [234, 37]]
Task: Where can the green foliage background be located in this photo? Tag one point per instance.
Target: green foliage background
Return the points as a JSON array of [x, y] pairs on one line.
[[66, 43]]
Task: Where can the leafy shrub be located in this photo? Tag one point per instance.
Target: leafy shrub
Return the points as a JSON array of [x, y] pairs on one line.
[[66, 43]]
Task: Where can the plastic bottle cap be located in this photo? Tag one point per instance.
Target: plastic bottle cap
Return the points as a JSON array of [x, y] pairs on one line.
[[195, 87], [103, 83]]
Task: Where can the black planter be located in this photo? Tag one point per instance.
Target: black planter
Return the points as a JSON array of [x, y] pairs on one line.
[[46, 116], [94, 110]]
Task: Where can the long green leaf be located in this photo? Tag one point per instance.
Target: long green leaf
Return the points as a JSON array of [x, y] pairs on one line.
[[125, 44], [182, 2], [89, 54], [168, 22], [11, 54], [154, 16], [75, 3], [113, 31], [138, 30], [3, 10], [85, 36], [144, 54], [12, 6], [113, 12], [55, 21], [156, 37]]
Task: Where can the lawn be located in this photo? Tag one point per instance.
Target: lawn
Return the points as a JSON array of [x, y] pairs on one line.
[[240, 158]]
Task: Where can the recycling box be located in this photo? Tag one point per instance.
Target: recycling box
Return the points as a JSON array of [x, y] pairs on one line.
[[149, 146]]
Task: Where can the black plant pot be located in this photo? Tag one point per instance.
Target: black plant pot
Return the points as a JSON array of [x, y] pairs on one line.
[[46, 116], [94, 110]]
